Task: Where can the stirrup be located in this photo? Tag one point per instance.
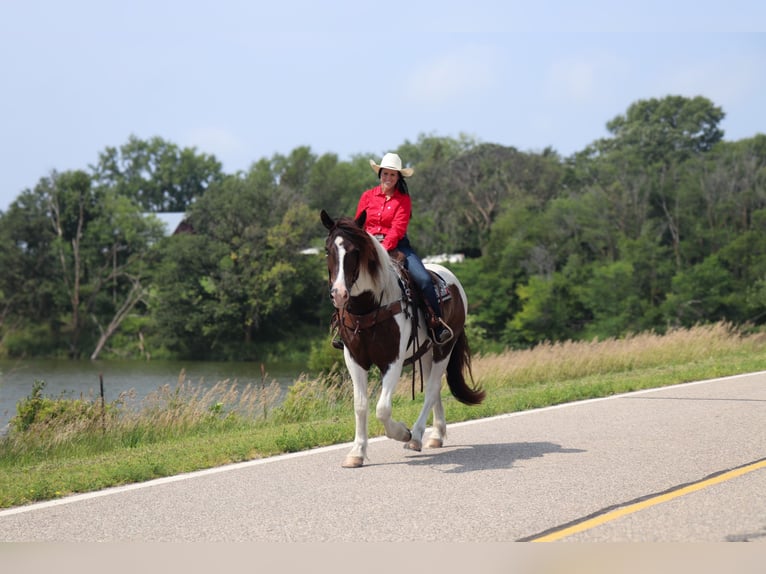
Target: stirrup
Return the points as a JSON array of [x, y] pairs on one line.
[[442, 333]]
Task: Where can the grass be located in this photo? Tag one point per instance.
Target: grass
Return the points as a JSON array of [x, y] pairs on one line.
[[60, 447]]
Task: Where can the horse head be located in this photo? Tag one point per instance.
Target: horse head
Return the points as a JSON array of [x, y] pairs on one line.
[[353, 261]]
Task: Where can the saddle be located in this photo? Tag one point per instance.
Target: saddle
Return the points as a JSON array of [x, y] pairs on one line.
[[411, 291], [413, 295]]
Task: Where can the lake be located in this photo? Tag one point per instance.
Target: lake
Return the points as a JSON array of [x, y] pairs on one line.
[[76, 378]]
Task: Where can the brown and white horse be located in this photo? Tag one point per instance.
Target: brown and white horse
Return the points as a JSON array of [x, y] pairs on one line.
[[379, 326]]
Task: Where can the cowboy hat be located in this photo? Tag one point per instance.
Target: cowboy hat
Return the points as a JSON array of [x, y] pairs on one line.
[[391, 161]]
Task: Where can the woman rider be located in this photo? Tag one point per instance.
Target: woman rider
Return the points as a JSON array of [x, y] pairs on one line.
[[389, 210]]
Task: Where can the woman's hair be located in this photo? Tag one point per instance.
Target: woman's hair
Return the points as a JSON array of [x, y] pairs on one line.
[[401, 185]]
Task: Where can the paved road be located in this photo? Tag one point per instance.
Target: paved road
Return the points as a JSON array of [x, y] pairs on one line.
[[555, 472]]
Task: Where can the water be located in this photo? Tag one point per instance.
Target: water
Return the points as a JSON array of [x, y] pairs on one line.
[[81, 378]]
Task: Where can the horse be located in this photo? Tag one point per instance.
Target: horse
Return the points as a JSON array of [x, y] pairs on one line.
[[381, 325]]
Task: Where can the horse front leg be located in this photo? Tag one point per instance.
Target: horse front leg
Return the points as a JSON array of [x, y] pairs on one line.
[[394, 429], [358, 453]]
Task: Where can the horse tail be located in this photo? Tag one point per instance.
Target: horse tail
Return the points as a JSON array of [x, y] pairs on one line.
[[460, 362]]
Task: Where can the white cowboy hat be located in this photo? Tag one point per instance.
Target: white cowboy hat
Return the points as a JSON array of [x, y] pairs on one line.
[[392, 161]]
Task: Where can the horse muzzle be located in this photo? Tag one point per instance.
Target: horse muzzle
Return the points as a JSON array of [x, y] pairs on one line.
[[339, 297]]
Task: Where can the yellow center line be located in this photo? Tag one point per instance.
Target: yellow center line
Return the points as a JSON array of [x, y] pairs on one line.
[[635, 507]]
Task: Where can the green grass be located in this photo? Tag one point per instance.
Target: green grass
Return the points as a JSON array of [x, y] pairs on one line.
[[60, 447]]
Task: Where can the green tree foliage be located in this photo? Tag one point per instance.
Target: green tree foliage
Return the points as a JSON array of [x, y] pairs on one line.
[[666, 130], [75, 260], [335, 186], [617, 247], [662, 135], [157, 175], [240, 278]]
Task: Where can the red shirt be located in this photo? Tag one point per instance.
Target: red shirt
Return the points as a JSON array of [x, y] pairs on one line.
[[386, 216]]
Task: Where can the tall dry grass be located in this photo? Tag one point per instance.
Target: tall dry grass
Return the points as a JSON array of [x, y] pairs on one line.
[[570, 359], [169, 411], [185, 404]]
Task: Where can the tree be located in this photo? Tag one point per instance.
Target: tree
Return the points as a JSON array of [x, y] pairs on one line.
[[336, 186], [293, 171], [125, 239], [731, 186], [27, 292], [234, 281], [458, 196], [548, 311], [612, 299], [72, 207], [83, 248], [660, 135], [157, 175], [670, 129]]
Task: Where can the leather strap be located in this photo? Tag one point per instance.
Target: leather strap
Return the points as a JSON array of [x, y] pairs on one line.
[[361, 322]]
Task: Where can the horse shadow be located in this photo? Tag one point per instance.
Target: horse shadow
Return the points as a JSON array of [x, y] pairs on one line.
[[479, 457]]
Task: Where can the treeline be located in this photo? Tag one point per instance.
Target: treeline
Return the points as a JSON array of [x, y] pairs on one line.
[[661, 224]]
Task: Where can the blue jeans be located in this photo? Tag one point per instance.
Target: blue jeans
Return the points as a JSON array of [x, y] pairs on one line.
[[420, 275]]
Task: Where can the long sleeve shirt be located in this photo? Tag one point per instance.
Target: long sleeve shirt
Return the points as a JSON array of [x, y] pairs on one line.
[[385, 216]]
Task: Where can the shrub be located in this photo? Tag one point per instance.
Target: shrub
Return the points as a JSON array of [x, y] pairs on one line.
[[37, 411]]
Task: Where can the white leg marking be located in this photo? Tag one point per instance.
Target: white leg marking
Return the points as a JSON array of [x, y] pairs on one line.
[[358, 452]]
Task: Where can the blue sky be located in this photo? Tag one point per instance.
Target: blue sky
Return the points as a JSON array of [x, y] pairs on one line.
[[244, 80]]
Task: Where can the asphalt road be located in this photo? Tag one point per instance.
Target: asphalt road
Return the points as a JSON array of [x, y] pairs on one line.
[[680, 464]]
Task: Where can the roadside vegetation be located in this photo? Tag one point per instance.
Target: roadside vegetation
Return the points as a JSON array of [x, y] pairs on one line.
[[57, 446]]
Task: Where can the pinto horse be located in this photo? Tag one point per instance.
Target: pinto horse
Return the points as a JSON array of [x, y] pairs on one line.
[[380, 325]]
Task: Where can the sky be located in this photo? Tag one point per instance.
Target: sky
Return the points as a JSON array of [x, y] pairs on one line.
[[245, 80]]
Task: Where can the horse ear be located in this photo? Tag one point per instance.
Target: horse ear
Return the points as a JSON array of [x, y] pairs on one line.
[[361, 219], [327, 220]]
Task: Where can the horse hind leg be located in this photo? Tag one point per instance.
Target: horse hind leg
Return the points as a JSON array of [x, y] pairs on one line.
[[433, 402], [439, 427], [438, 432]]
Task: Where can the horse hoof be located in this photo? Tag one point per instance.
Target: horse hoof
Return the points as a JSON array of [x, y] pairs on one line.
[[434, 443], [413, 445], [353, 462]]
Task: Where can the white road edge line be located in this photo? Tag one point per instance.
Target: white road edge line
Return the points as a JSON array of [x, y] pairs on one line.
[[280, 457]]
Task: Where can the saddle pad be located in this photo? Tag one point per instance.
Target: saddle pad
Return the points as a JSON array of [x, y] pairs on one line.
[[442, 293]]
